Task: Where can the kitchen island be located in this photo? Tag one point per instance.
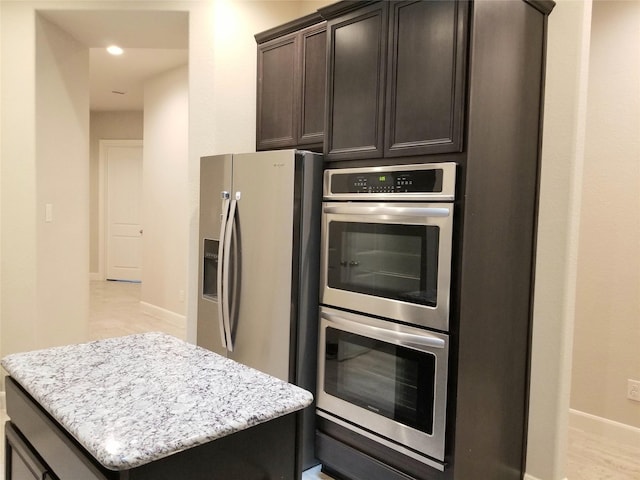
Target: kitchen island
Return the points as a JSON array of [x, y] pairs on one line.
[[147, 406]]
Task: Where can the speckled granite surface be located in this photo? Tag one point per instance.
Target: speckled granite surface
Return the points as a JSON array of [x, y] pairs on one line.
[[134, 399]]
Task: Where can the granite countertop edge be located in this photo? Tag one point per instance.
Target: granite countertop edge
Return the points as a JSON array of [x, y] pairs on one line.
[[135, 399]]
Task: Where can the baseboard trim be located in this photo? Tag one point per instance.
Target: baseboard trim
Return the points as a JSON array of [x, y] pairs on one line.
[[162, 313], [616, 431], [531, 477]]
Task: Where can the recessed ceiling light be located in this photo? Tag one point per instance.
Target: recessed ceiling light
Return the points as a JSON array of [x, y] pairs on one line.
[[114, 50]]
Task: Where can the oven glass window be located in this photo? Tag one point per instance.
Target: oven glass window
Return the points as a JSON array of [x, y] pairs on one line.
[[387, 379], [398, 262]]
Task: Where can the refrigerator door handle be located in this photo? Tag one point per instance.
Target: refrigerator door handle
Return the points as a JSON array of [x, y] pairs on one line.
[[221, 251], [225, 272]]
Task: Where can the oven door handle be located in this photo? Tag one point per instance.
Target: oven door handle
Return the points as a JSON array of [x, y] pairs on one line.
[[350, 209], [387, 335]]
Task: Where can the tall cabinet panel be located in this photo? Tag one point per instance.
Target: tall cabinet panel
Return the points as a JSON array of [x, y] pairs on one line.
[[458, 81], [356, 81], [506, 90], [425, 96]]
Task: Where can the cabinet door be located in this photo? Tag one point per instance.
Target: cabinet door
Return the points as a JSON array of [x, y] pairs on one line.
[[21, 461], [313, 61], [426, 65], [356, 83], [277, 96]]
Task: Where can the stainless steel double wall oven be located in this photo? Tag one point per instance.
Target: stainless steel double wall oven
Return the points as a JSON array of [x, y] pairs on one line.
[[384, 320]]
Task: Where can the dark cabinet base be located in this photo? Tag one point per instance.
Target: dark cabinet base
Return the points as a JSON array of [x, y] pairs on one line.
[[267, 450], [344, 462], [346, 454]]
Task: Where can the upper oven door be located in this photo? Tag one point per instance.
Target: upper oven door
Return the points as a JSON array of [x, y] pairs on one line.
[[388, 259]]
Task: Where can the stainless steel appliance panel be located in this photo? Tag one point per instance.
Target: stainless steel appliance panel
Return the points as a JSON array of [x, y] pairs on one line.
[[261, 309], [385, 377], [382, 191], [263, 229], [388, 259]]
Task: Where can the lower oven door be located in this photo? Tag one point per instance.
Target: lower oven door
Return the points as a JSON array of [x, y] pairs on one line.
[[385, 378]]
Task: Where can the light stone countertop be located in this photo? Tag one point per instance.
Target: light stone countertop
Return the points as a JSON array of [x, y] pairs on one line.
[[135, 399]]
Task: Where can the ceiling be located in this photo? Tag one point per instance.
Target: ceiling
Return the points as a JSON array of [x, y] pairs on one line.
[[153, 42]]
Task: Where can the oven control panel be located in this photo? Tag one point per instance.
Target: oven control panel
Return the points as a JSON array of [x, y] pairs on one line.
[[427, 181], [388, 182]]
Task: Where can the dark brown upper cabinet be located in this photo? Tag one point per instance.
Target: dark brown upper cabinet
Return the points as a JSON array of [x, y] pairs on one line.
[[396, 77], [357, 43], [291, 85]]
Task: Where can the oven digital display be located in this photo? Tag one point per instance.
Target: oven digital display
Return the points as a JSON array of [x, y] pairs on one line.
[[409, 181]]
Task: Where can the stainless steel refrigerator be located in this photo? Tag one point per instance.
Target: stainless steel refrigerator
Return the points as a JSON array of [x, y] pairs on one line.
[[259, 265]]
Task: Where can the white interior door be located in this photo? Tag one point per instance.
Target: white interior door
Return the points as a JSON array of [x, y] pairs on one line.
[[123, 169]]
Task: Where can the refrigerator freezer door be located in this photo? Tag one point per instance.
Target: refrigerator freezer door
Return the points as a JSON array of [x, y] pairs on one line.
[[261, 319], [215, 178]]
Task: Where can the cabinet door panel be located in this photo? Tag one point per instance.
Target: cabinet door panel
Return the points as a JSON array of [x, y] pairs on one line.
[[426, 65], [21, 461], [54, 445], [277, 93], [356, 84], [314, 77]]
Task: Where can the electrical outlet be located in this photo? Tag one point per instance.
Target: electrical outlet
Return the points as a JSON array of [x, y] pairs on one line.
[[633, 390], [48, 212]]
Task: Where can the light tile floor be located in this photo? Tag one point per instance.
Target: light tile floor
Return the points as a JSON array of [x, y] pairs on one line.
[[115, 311], [593, 457], [315, 474]]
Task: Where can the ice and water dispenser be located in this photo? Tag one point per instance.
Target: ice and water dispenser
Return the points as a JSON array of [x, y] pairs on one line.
[[210, 269]]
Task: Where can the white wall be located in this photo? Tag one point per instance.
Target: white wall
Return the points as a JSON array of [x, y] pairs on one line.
[[43, 302], [105, 126], [17, 306], [561, 178], [164, 191], [44, 150], [62, 170], [607, 326], [588, 265]]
